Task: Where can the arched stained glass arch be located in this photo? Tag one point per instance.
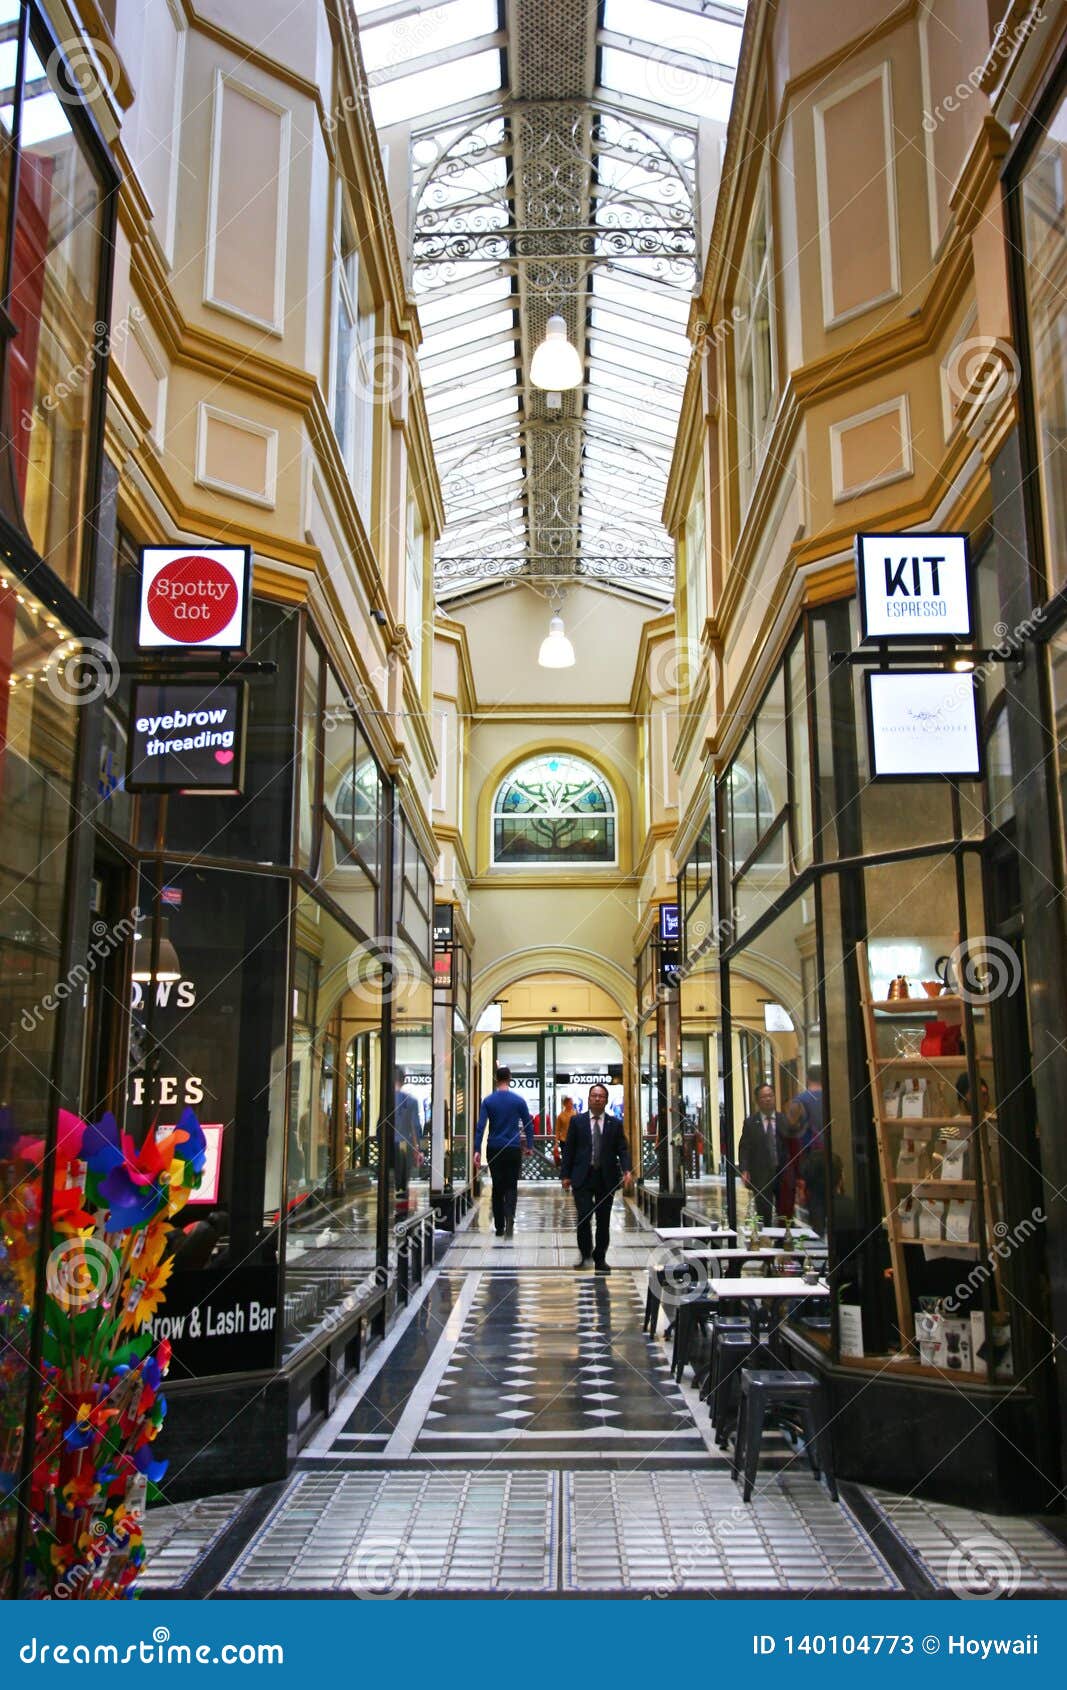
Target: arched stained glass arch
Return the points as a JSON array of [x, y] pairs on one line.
[[555, 808]]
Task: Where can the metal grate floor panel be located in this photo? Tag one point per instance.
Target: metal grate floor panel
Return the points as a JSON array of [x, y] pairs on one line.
[[178, 1538], [677, 1532], [973, 1555], [403, 1534]]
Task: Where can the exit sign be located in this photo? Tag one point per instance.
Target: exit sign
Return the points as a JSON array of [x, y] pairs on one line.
[[914, 587]]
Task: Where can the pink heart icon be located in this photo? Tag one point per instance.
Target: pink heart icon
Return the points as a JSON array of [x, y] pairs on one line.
[[224, 756]]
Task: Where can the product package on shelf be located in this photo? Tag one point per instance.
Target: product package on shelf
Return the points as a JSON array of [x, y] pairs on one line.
[[959, 1220], [953, 1349], [913, 1102], [907, 1217], [911, 1159], [955, 1151], [931, 1220], [999, 1354]]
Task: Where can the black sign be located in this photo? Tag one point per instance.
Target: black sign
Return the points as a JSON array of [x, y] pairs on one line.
[[443, 926], [221, 1321], [668, 924], [187, 737]]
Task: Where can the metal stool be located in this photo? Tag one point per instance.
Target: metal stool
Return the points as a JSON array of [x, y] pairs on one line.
[[721, 1324], [767, 1391], [734, 1351]]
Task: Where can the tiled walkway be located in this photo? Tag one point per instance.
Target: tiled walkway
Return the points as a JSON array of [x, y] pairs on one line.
[[518, 1434]]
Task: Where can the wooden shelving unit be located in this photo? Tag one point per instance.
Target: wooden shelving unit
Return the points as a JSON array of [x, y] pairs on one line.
[[930, 1133]]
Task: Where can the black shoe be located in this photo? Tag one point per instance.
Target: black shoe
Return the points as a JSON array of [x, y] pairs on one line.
[[509, 1228], [500, 1232], [584, 1262], [602, 1267]]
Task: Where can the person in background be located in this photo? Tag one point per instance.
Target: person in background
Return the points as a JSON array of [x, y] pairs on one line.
[[596, 1160], [761, 1151], [407, 1131], [803, 1132], [563, 1121], [503, 1122]]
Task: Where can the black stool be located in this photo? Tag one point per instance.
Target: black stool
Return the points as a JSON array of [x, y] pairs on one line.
[[767, 1391], [721, 1324], [733, 1352]]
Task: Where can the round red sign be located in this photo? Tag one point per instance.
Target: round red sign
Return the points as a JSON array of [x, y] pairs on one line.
[[192, 599]]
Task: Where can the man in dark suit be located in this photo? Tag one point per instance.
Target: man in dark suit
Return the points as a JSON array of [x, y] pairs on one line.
[[595, 1162], [761, 1151]]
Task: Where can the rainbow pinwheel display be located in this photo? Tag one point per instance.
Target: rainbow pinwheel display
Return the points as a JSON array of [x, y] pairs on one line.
[[101, 1404]]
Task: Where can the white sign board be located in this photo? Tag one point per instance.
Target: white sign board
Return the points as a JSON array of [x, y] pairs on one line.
[[914, 587], [195, 596], [922, 723]]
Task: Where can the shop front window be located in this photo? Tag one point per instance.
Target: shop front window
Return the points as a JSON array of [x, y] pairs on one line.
[[335, 1099], [37, 751], [352, 805], [54, 299], [1043, 218], [208, 1032]]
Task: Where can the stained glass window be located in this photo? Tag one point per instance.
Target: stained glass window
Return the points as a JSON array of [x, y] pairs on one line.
[[554, 809]]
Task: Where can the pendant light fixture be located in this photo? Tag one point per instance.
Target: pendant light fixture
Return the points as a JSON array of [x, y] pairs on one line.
[[555, 365], [167, 965], [556, 650]]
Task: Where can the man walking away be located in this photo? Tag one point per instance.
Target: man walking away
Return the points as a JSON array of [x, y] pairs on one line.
[[507, 1118], [761, 1151], [596, 1160]]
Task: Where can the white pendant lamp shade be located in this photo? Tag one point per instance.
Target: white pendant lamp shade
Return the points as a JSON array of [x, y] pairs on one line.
[[555, 365], [556, 649], [167, 965]]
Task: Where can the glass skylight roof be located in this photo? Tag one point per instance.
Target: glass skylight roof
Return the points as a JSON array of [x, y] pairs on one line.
[[661, 68]]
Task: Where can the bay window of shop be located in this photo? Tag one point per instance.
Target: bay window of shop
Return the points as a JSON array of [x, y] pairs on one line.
[[57, 210], [847, 904], [701, 1037]]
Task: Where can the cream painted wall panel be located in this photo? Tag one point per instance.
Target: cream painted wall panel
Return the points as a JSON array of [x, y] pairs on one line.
[[580, 927], [953, 44], [788, 522], [321, 528], [856, 179], [506, 630], [237, 456], [871, 449], [145, 367], [276, 28], [807, 31], [247, 204], [150, 36]]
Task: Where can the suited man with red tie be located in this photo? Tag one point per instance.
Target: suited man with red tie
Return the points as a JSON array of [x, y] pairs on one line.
[[595, 1162]]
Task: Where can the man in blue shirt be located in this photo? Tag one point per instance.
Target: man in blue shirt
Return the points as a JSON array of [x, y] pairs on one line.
[[505, 1114]]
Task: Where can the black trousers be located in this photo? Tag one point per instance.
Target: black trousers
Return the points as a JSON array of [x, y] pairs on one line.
[[595, 1197], [505, 1166]]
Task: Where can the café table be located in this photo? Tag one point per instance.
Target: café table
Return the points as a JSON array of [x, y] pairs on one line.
[[732, 1261], [671, 1234]]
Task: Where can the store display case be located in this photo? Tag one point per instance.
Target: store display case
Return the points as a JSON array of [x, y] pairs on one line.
[[930, 1063]]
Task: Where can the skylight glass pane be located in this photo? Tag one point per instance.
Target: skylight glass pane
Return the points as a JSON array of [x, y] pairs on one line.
[[466, 363], [429, 31], [600, 406], [452, 302], [709, 38], [440, 86], [470, 419], [601, 319], [665, 301], [476, 387], [444, 339], [665, 84], [671, 372]]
